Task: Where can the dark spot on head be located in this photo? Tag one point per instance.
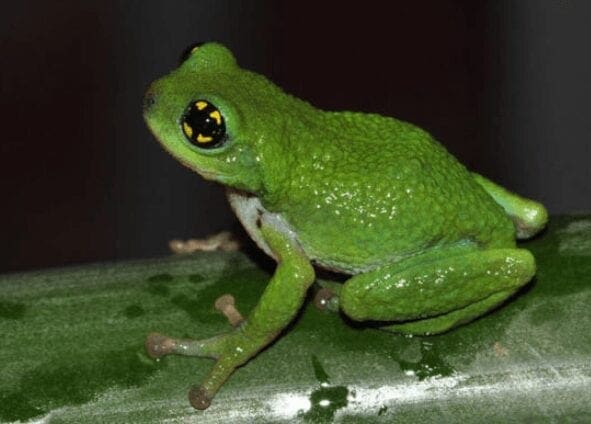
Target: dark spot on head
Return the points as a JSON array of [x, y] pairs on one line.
[[186, 53], [148, 101], [258, 222]]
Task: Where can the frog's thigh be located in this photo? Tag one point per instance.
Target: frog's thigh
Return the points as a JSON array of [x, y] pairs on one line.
[[444, 322], [462, 286]]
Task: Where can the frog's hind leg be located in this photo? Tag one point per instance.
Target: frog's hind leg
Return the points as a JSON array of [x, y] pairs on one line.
[[327, 299], [436, 291], [277, 307], [444, 322]]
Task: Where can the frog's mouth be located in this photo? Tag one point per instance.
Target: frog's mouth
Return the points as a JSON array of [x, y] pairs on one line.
[[205, 173], [208, 175], [169, 148]]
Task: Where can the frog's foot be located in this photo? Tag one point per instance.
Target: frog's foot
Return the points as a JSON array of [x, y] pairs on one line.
[[226, 305], [199, 398], [230, 350], [223, 241], [277, 307], [326, 299], [159, 345]]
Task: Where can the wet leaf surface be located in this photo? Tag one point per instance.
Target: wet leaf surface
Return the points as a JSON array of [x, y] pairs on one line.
[[71, 348]]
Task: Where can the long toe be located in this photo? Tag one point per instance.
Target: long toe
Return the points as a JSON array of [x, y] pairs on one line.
[[199, 398], [158, 345]]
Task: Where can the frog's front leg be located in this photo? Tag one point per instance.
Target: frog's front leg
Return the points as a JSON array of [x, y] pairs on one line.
[[278, 305], [435, 291]]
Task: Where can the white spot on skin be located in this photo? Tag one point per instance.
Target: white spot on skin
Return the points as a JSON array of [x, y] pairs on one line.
[[346, 195], [318, 166]]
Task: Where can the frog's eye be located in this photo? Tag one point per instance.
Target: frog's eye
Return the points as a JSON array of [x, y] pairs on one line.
[[203, 125]]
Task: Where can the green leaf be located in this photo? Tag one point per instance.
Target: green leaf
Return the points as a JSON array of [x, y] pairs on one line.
[[72, 348]]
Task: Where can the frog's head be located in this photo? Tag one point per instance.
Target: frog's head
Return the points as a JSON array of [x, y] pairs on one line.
[[216, 118]]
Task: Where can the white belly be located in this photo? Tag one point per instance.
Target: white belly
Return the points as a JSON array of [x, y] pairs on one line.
[[252, 214]]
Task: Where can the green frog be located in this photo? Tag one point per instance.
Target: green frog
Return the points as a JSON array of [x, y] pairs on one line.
[[425, 244]]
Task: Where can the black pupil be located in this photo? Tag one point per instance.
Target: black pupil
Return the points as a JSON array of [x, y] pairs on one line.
[[203, 125]]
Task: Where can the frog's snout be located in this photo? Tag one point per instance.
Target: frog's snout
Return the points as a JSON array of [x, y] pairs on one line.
[[148, 101]]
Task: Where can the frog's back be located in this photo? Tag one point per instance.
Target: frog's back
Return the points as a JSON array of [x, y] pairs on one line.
[[373, 189]]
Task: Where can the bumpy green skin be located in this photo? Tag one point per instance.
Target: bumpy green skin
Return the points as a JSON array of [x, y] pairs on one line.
[[429, 245]]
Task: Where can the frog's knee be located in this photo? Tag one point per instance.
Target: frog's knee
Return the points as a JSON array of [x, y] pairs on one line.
[[531, 220], [521, 262]]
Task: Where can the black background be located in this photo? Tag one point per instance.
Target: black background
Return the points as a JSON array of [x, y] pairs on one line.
[[505, 85]]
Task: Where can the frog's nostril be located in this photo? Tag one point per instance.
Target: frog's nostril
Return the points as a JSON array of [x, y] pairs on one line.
[[148, 102]]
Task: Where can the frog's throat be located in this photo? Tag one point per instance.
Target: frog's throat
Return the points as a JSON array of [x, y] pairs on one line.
[[251, 213]]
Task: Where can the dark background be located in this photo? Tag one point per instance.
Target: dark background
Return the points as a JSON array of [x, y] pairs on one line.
[[505, 85]]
